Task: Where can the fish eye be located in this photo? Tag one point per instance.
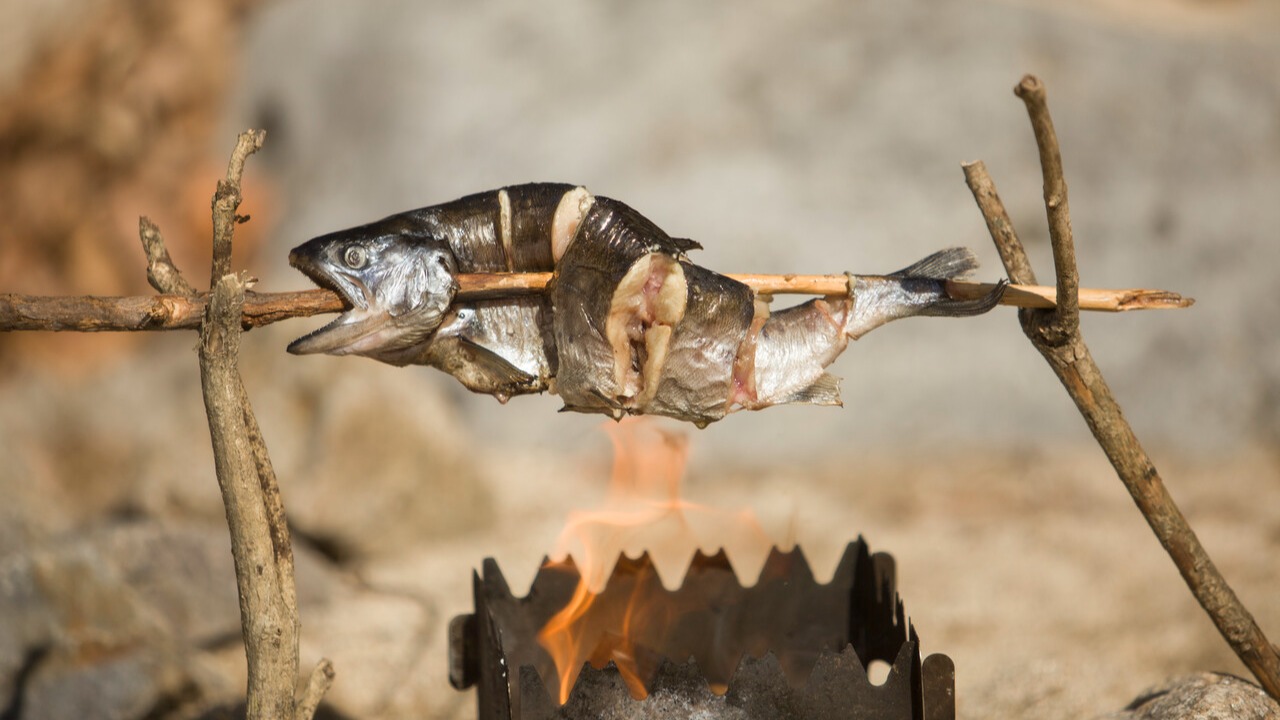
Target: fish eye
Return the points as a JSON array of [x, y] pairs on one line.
[[355, 257]]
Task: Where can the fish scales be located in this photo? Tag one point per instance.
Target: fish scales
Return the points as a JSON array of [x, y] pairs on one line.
[[794, 348], [697, 379], [629, 325], [497, 347]]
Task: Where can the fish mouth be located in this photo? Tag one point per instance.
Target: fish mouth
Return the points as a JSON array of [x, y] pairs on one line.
[[357, 329]]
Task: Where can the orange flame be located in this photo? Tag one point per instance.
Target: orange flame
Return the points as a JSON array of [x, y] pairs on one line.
[[643, 512]]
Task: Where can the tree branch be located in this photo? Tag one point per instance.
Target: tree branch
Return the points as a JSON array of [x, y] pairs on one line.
[[155, 312], [317, 685], [270, 632], [260, 542], [1066, 318], [161, 272], [1056, 335], [226, 200], [1016, 263]]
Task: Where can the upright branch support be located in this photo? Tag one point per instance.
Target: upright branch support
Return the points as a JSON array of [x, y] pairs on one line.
[[1016, 263], [268, 612], [260, 542], [226, 200], [1056, 334], [1066, 317]]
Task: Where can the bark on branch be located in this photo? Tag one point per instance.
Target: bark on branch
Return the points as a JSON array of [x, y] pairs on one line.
[[268, 612], [260, 542], [1056, 335], [161, 272], [156, 312]]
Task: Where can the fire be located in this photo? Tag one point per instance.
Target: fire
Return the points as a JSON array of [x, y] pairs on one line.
[[627, 618]]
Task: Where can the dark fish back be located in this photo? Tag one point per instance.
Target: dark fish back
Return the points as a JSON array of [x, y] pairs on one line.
[[533, 207], [472, 225], [513, 336]]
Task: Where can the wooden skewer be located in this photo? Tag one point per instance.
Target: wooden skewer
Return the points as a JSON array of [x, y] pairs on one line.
[[179, 312], [1042, 296], [490, 285]]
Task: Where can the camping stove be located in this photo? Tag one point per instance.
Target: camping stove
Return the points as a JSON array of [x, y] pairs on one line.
[[784, 648]]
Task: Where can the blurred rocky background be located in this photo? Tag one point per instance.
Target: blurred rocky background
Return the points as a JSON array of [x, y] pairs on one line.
[[815, 136]]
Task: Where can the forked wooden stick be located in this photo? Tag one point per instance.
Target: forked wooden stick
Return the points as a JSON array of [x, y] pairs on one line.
[[260, 545], [1056, 335], [183, 312]]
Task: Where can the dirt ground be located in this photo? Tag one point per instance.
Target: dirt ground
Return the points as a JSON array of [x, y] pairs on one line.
[[794, 137]]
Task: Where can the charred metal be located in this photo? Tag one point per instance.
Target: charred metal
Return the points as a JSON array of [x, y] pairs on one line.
[[785, 647]]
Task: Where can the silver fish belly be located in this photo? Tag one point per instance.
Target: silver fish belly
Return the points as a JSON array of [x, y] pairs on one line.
[[628, 326]]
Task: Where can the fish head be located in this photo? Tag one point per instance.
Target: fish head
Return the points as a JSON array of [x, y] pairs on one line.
[[396, 278]]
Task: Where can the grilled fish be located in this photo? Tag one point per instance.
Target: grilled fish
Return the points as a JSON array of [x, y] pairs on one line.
[[629, 324]]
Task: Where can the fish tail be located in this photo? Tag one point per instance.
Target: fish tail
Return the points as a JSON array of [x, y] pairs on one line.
[[955, 263], [951, 264], [920, 289]]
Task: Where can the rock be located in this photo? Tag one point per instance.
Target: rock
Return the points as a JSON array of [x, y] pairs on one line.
[[78, 641], [377, 640], [146, 681], [372, 460], [71, 463], [141, 619], [1202, 696], [109, 623]]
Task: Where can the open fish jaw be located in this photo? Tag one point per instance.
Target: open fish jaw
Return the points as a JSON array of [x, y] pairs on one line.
[[396, 286], [355, 332], [339, 336]]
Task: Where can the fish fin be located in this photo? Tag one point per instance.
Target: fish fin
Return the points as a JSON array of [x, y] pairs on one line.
[[948, 307], [950, 264], [493, 365], [615, 413], [684, 245], [824, 391], [605, 405]]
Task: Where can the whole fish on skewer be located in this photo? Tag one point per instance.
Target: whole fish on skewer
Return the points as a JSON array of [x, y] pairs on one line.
[[629, 324]]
